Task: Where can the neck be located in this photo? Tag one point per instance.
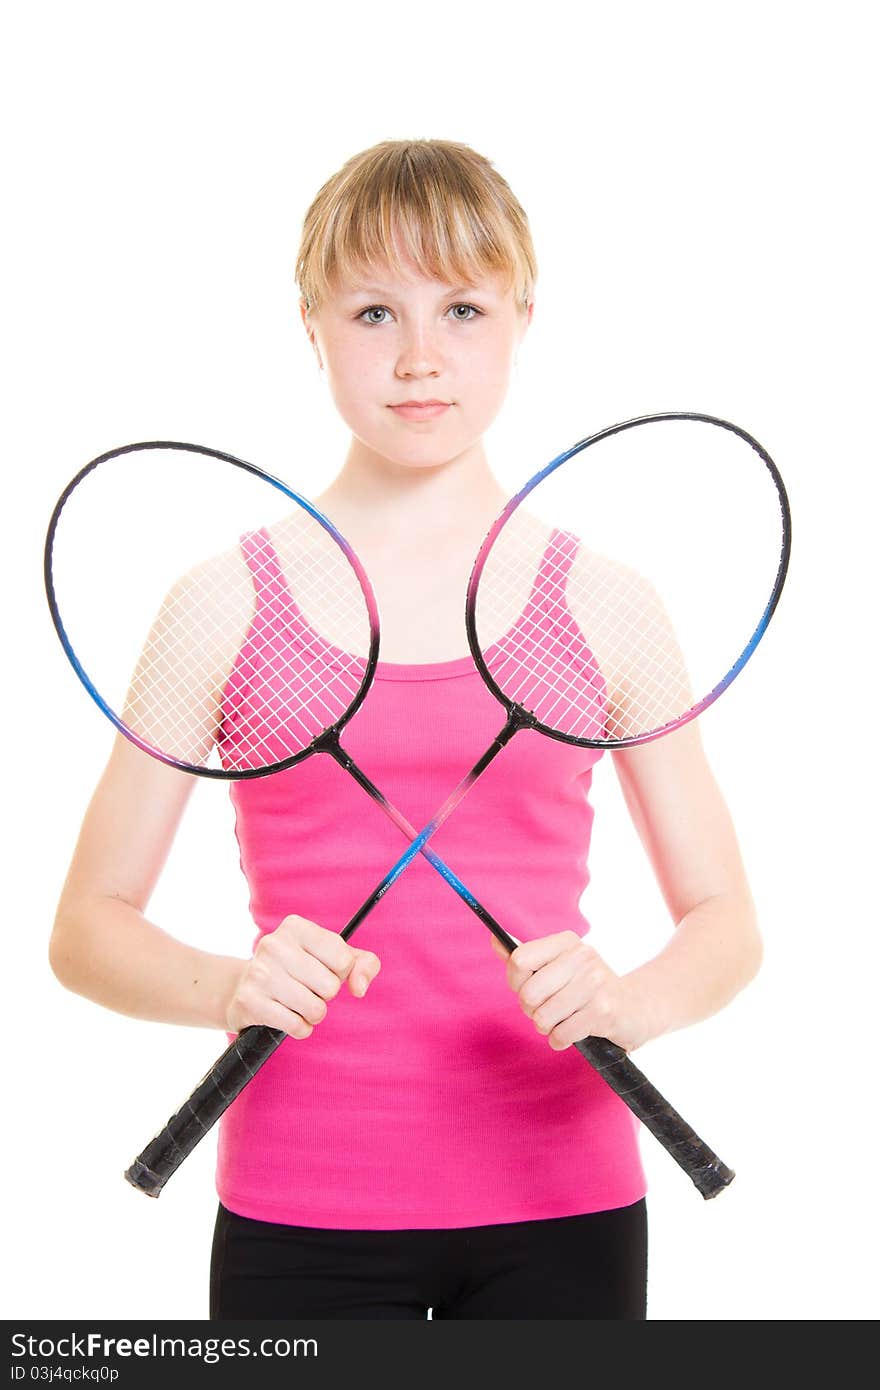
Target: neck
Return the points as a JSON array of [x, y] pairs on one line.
[[374, 494]]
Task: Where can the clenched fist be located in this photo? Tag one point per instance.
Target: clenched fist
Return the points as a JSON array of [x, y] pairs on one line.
[[293, 974]]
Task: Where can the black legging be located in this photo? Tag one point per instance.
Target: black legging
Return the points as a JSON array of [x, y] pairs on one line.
[[592, 1266]]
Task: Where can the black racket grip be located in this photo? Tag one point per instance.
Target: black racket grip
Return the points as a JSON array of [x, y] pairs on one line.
[[256, 1044], [704, 1168], [214, 1094]]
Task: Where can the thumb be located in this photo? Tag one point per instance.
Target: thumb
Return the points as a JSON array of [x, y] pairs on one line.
[[363, 972]]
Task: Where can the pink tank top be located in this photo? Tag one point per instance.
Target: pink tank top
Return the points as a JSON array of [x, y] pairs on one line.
[[433, 1101]]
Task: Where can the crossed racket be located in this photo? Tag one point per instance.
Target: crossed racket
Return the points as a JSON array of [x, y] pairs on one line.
[[262, 653]]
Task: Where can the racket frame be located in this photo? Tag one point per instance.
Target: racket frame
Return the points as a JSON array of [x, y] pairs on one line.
[[518, 716], [322, 741]]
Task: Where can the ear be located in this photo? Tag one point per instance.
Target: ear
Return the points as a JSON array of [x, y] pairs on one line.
[[307, 324]]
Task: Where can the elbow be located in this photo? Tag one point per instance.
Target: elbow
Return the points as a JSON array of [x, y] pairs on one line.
[[58, 955], [63, 951], [755, 961], [752, 953]]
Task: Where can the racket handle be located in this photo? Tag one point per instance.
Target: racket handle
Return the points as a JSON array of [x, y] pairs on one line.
[[255, 1045], [704, 1168], [214, 1094]]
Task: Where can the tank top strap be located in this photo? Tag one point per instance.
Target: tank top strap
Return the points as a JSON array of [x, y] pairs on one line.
[[263, 562], [552, 575]]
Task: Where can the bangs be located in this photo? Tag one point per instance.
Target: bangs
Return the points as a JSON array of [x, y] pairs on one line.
[[437, 205]]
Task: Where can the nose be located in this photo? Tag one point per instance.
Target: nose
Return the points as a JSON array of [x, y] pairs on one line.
[[419, 353]]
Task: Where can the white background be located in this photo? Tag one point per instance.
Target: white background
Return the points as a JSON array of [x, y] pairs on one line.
[[699, 183]]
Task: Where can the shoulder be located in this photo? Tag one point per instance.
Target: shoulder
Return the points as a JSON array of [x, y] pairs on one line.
[[210, 605]]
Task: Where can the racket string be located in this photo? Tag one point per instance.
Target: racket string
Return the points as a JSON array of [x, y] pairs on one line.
[[234, 659], [307, 682], [628, 678]]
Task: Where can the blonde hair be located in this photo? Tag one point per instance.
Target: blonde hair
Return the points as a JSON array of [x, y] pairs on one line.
[[438, 202]]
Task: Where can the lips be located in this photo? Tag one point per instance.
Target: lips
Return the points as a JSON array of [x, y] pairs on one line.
[[420, 410]]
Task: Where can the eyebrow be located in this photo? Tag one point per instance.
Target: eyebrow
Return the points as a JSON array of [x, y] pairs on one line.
[[385, 290]]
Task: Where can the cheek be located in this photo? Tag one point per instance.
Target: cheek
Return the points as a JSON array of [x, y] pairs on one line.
[[486, 376], [496, 353], [356, 384]]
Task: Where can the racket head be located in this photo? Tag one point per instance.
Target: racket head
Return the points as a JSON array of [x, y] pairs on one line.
[[657, 618], [154, 601]]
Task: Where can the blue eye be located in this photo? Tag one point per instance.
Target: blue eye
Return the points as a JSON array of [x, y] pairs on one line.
[[472, 312]]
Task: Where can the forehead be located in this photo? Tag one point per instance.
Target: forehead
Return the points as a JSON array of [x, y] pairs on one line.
[[407, 278]]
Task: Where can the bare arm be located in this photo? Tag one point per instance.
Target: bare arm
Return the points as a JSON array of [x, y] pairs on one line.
[[683, 823], [102, 944], [685, 826], [104, 947], [563, 984]]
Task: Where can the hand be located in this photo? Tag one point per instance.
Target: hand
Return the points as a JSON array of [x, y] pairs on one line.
[[569, 993], [292, 974]]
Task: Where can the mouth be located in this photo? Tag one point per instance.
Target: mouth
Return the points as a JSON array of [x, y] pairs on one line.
[[420, 410]]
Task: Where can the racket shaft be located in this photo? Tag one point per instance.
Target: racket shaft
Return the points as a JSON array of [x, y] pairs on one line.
[[418, 841]]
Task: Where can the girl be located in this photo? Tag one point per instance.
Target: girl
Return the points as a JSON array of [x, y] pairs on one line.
[[420, 1141]]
